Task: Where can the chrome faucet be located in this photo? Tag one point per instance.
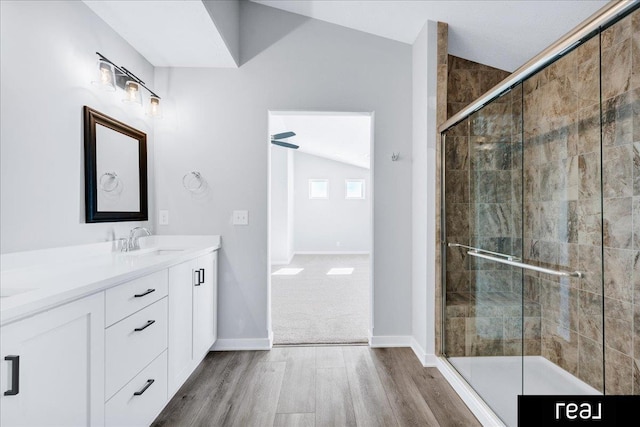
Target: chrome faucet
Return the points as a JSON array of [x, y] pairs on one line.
[[132, 242]]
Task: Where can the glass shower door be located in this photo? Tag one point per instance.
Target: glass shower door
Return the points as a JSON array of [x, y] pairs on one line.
[[541, 271], [483, 296], [562, 204]]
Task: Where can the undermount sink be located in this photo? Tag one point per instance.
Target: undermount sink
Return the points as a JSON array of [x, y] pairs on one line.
[[9, 292]]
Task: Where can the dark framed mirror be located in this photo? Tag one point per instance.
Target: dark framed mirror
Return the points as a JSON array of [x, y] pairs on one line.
[[115, 169]]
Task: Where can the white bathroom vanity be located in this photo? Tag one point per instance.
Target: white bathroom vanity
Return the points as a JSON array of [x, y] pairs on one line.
[[92, 335]]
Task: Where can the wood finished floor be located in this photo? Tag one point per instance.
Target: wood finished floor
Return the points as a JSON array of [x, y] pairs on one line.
[[316, 386]]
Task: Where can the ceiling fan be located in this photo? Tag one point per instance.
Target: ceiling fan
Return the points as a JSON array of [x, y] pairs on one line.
[[275, 139]]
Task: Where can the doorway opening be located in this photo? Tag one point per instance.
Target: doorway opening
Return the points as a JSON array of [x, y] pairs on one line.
[[320, 227]]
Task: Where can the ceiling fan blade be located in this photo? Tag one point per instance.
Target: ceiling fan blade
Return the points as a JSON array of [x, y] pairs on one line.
[[283, 135], [284, 144]]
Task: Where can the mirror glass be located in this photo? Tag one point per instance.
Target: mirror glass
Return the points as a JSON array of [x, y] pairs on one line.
[[115, 170], [117, 167]]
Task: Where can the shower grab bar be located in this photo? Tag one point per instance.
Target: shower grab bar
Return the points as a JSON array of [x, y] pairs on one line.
[[509, 257], [525, 266]]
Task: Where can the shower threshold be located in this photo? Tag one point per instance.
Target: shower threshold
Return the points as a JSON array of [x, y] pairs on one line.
[[498, 380]]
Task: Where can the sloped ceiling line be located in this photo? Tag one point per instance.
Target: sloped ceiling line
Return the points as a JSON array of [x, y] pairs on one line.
[[502, 34]]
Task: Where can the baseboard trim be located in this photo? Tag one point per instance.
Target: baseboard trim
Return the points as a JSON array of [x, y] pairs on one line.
[[427, 360], [480, 409], [231, 344], [381, 341]]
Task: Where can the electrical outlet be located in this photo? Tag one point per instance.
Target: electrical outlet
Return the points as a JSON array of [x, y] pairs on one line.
[[163, 217], [240, 217]]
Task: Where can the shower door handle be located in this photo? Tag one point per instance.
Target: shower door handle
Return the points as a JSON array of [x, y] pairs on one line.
[[484, 251]]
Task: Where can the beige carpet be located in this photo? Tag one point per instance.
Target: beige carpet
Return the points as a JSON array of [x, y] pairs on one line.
[[312, 307]]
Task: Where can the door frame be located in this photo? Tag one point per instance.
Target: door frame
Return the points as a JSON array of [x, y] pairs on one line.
[[371, 114]]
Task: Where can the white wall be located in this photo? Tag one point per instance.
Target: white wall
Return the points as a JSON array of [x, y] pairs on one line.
[[281, 205], [48, 60], [226, 17], [423, 191], [219, 126], [334, 224]]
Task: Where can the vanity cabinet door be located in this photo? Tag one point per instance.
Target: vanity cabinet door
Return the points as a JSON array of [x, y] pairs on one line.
[[192, 316], [180, 357], [205, 305], [59, 376]]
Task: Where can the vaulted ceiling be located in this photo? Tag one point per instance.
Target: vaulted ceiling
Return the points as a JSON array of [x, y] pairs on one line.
[[503, 34], [206, 33], [343, 137], [175, 33]]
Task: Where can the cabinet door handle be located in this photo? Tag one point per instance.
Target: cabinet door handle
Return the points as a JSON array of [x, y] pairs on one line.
[[196, 278], [146, 386], [149, 323], [144, 293], [202, 276], [15, 375]]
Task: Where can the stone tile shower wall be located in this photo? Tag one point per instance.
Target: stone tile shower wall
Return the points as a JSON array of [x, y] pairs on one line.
[[458, 297], [482, 312], [495, 146], [562, 209], [582, 209], [467, 81], [484, 191], [620, 46]]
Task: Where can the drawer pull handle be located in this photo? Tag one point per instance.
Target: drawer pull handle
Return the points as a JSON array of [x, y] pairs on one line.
[[149, 323], [144, 293], [15, 375], [146, 386], [197, 281], [202, 277]]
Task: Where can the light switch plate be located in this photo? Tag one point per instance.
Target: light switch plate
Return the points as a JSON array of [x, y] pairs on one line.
[[240, 217], [163, 217]]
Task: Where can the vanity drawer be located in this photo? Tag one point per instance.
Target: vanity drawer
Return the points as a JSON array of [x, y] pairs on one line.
[[134, 342], [125, 299], [127, 408]]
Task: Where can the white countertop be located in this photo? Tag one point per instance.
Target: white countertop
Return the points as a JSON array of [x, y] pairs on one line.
[[34, 281]]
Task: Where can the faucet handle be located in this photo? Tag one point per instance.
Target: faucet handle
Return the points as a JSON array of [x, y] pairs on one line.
[[123, 244]]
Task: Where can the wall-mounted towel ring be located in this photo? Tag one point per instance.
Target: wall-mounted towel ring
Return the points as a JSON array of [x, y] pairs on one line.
[[109, 181], [192, 181]]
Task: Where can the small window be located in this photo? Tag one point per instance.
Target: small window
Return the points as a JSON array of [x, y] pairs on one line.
[[318, 189], [354, 189]]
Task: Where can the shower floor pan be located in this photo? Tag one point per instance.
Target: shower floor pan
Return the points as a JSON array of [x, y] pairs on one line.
[[499, 380]]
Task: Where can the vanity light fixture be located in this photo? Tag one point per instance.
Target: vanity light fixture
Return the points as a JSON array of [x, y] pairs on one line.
[[154, 109], [105, 76], [111, 76], [132, 93]]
